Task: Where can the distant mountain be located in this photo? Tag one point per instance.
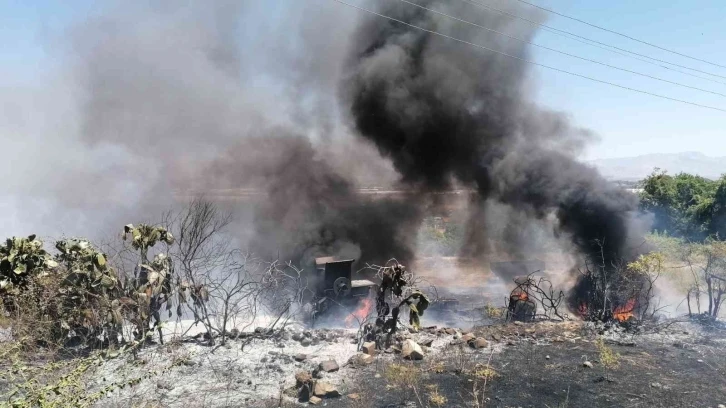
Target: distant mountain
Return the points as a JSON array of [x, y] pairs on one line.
[[639, 167]]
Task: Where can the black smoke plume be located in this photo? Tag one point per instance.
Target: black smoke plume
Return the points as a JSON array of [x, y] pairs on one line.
[[446, 113], [310, 209]]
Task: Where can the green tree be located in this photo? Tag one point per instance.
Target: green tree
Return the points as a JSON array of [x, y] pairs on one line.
[[717, 210], [682, 204]]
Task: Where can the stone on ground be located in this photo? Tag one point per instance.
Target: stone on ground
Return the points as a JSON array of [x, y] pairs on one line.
[[369, 348], [324, 389], [411, 350], [478, 343], [329, 366], [360, 360]]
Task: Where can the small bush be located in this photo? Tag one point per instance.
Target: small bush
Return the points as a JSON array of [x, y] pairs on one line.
[[436, 398], [402, 375]]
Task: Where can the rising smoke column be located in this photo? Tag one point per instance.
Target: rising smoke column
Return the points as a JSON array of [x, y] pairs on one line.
[[446, 112], [310, 209]]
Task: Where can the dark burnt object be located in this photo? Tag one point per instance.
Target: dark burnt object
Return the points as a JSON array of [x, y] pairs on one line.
[[611, 294], [333, 288], [521, 306]]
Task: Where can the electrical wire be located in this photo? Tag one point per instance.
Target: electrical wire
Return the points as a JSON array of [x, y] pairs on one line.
[[563, 52], [586, 40], [620, 34], [528, 61]]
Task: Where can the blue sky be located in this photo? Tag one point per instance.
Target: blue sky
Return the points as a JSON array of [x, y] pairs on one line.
[[626, 123]]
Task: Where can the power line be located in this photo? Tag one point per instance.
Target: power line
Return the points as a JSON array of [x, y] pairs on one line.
[[586, 40], [563, 52], [526, 60], [620, 34]]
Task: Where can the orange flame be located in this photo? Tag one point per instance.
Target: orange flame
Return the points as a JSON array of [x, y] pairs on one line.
[[520, 295], [625, 312], [582, 310], [361, 313]]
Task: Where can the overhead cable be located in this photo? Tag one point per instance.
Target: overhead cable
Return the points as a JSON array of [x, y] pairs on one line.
[[528, 61], [563, 52], [621, 34], [586, 40]]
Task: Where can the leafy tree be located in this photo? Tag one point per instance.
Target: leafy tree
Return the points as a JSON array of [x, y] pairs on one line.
[[717, 210], [682, 204]]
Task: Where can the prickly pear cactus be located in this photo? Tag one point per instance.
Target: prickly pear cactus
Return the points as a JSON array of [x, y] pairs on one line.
[[146, 236], [91, 287], [86, 265], [21, 258]]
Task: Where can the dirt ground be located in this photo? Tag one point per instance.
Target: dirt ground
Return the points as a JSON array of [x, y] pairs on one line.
[[543, 365]]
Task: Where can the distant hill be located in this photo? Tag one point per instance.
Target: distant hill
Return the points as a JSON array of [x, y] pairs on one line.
[[639, 167]]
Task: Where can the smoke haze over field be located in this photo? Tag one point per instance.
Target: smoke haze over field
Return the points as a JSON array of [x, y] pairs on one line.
[[307, 101]]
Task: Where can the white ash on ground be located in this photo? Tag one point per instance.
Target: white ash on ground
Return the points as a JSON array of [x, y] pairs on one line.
[[251, 368]]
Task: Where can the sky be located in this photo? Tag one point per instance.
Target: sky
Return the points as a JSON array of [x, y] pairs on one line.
[[625, 123]]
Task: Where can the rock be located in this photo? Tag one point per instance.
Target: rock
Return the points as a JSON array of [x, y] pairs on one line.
[[357, 396], [300, 357], [297, 336], [190, 362], [324, 389], [478, 343], [587, 364], [308, 334], [496, 337], [659, 386], [303, 377], [329, 366], [450, 331], [411, 350], [518, 323], [426, 343], [721, 406], [315, 341], [369, 348], [547, 357], [700, 361], [360, 360], [468, 337], [305, 342], [165, 385], [304, 384], [315, 400]]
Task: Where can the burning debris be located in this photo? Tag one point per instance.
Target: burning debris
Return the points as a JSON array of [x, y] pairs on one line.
[[620, 293], [531, 291], [332, 288]]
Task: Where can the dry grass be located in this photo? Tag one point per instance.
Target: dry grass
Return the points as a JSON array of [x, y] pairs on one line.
[[435, 397], [484, 372], [402, 375]]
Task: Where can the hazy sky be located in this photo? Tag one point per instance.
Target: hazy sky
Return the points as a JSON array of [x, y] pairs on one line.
[[626, 123]]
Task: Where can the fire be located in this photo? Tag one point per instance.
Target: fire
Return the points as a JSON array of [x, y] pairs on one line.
[[625, 312], [582, 310], [522, 295], [361, 313]]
